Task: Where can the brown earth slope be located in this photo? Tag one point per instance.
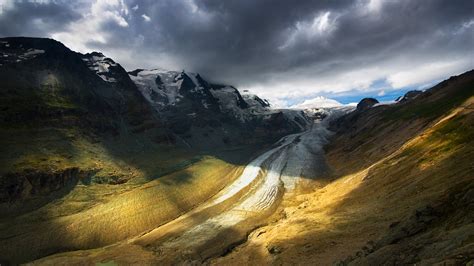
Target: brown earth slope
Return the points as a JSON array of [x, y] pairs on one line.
[[402, 190]]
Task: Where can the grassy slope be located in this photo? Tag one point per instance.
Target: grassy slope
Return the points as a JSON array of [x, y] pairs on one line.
[[403, 199], [366, 137], [115, 213]]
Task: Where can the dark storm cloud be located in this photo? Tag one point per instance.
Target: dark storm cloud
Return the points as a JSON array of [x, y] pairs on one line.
[[212, 36], [274, 45], [247, 36], [29, 18], [245, 41]]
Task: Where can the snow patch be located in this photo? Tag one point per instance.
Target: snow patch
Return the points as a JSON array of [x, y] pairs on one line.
[[160, 87], [5, 43], [385, 103], [32, 52], [18, 54], [100, 64]]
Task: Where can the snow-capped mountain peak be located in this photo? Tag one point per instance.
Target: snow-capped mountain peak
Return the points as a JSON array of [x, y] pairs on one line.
[[160, 87], [317, 102], [189, 91], [165, 88]]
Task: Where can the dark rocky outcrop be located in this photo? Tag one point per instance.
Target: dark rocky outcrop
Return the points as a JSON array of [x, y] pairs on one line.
[[366, 103], [264, 103], [27, 190], [410, 95], [135, 72], [33, 182]]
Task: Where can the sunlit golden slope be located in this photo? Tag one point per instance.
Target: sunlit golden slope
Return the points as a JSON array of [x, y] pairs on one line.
[[126, 214]]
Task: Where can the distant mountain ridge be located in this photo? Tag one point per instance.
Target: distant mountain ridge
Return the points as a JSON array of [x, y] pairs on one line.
[[183, 102], [190, 99], [165, 89]]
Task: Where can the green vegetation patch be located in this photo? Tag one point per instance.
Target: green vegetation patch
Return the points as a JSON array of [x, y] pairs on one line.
[[430, 109], [455, 133]]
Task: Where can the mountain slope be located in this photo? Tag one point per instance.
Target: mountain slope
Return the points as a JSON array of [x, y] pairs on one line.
[[400, 190], [53, 111], [64, 112], [79, 139]]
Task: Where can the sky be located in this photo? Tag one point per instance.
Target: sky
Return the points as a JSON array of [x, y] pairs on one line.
[[289, 52]]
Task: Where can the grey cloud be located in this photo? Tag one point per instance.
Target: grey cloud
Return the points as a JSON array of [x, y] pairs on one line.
[[37, 19], [243, 41], [239, 40]]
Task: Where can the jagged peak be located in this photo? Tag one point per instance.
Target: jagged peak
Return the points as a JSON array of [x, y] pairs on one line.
[[100, 64], [135, 72], [94, 53], [97, 56]]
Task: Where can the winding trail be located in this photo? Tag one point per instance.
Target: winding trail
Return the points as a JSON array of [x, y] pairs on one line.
[[216, 226]]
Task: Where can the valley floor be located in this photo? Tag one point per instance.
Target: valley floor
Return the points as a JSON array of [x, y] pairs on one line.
[[214, 227]]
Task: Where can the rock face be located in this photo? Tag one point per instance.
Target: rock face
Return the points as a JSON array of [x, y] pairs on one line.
[[30, 183], [366, 103], [410, 95]]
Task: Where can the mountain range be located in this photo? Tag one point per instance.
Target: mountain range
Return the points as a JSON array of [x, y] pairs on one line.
[[153, 166], [49, 92]]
